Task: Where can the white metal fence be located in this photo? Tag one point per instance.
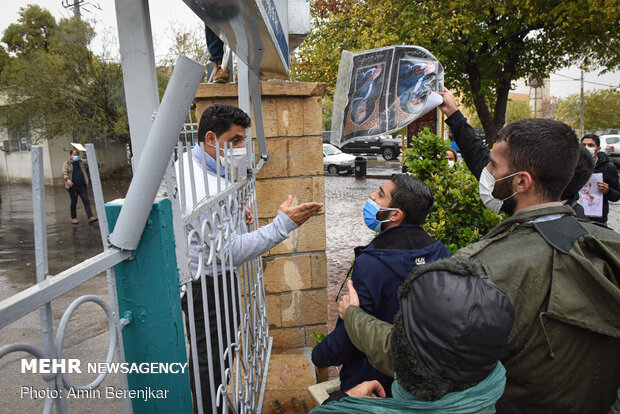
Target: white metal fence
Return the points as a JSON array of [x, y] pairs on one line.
[[50, 287]]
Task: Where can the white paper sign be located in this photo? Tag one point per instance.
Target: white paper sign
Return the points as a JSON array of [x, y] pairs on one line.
[[591, 198]]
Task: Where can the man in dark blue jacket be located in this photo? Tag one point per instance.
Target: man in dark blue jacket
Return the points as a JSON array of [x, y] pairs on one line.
[[397, 211]]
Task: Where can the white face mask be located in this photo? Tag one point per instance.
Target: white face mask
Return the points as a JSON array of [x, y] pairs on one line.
[[240, 160], [238, 155], [485, 188], [450, 163], [592, 151]]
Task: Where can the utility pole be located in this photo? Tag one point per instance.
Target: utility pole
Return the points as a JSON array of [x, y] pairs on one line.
[[78, 5], [76, 9], [581, 111], [534, 85]]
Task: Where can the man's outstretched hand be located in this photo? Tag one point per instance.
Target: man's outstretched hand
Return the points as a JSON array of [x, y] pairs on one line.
[[367, 389], [349, 299], [299, 214]]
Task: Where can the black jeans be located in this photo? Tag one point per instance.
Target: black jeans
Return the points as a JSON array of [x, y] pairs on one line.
[[82, 191], [201, 334]]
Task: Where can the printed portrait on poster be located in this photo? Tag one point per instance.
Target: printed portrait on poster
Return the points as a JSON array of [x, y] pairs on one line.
[[368, 85], [364, 114], [415, 83]]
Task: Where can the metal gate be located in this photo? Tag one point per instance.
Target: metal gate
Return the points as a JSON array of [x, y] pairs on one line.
[[243, 346], [50, 287]]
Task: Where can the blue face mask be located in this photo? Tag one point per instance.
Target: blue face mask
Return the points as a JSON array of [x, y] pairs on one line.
[[76, 158], [370, 214]]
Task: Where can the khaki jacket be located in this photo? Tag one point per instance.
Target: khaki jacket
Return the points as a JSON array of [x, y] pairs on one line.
[[67, 172], [563, 354]]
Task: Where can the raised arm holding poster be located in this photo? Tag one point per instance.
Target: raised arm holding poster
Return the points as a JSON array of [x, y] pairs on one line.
[[382, 90]]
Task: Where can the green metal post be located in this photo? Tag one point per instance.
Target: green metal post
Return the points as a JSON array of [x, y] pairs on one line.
[[148, 294]]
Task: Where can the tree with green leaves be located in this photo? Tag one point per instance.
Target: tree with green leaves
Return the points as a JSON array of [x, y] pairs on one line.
[[484, 45], [515, 110], [458, 217], [601, 110], [56, 85], [32, 32]]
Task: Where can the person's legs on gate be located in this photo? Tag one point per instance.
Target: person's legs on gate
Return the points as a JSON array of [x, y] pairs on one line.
[[215, 45], [217, 324], [216, 50]]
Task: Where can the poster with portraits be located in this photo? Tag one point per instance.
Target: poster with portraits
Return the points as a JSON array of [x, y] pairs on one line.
[[383, 90], [591, 198]]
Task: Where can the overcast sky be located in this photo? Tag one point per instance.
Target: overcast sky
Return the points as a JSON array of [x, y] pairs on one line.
[[165, 13]]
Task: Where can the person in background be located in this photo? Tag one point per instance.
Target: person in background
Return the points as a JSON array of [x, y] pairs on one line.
[[451, 157], [76, 182], [609, 186]]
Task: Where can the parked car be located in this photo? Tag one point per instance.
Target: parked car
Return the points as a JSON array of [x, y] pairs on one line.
[[389, 148], [610, 144], [335, 161]]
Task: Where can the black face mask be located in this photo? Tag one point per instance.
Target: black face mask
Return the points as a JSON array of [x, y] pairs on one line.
[[503, 191]]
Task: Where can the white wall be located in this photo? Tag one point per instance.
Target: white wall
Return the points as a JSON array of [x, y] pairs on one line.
[[16, 167], [111, 158]]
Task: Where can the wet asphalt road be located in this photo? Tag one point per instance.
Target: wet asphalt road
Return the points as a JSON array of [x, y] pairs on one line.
[[68, 244]]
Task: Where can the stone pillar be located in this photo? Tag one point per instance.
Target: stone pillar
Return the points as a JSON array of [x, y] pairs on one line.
[[295, 270]]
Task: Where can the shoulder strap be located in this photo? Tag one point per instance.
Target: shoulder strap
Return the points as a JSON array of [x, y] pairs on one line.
[[562, 233]]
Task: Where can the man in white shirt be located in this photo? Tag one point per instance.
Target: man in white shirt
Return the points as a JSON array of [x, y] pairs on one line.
[[227, 125]]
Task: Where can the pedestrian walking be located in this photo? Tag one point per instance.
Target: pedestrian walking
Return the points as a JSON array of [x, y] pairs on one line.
[[76, 183]]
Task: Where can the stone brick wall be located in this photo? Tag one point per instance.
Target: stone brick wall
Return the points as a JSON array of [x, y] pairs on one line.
[[295, 270]]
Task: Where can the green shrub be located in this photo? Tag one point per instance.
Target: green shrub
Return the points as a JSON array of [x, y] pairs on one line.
[[458, 217]]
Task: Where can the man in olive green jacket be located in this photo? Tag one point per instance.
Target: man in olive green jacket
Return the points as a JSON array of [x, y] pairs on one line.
[[562, 277]]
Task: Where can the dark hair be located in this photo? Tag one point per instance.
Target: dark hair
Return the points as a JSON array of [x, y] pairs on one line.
[[453, 153], [594, 137], [218, 118], [583, 171], [413, 197], [546, 149], [74, 149]]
